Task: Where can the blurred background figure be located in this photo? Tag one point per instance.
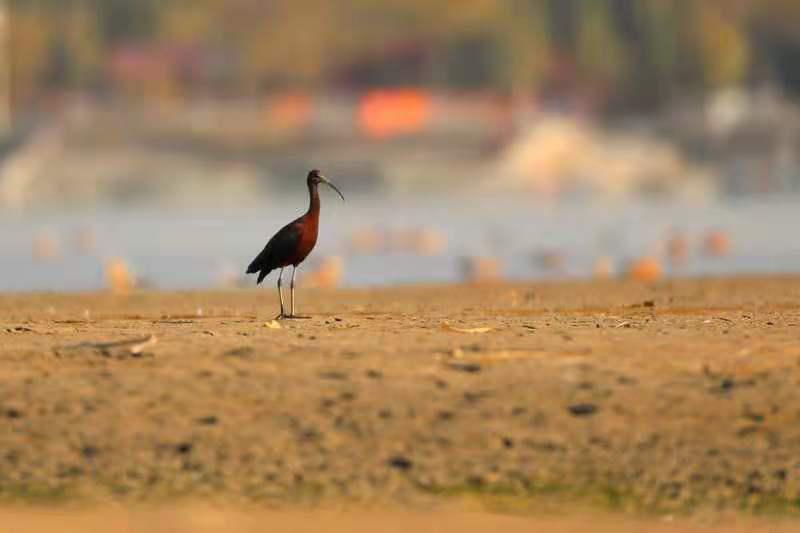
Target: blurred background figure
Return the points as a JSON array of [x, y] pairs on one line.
[[45, 247], [677, 248], [165, 132], [119, 278], [551, 260], [326, 274], [368, 241], [481, 270], [603, 267], [645, 269], [419, 241], [86, 240], [717, 243]]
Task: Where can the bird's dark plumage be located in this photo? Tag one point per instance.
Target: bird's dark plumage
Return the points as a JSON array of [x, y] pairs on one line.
[[271, 257]]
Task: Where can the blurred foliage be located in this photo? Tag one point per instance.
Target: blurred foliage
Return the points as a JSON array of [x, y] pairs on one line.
[[600, 52], [639, 51], [724, 51]]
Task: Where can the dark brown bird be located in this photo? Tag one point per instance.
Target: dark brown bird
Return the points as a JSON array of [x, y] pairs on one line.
[[292, 244]]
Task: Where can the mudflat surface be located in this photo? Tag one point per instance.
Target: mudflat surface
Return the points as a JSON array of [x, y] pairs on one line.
[[679, 397], [205, 519]]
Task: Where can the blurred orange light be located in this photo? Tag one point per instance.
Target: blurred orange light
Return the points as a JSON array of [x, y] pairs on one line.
[[291, 110], [646, 270], [390, 112]]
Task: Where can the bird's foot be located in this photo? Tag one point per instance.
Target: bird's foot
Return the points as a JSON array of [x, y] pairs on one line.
[[296, 317]]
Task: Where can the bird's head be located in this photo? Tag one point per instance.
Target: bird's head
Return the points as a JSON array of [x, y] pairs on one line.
[[315, 177]]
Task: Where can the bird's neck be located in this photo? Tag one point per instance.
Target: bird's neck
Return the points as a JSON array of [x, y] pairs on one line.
[[313, 204]]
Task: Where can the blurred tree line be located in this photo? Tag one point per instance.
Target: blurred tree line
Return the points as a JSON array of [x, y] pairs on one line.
[[629, 53]]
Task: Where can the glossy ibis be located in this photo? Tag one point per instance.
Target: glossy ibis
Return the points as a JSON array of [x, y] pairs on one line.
[[292, 244]]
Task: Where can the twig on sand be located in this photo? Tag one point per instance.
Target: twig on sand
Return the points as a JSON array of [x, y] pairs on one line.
[[21, 329], [133, 347], [448, 327]]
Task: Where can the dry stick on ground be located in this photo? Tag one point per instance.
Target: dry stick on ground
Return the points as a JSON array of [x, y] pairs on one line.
[[130, 346]]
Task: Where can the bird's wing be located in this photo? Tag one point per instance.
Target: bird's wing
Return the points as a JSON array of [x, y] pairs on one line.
[[281, 245]]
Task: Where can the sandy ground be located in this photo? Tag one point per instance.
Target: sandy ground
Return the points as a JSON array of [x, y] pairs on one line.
[[675, 398], [204, 519]]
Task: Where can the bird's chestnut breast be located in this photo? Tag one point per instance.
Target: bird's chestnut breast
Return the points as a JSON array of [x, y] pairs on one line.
[[308, 239]]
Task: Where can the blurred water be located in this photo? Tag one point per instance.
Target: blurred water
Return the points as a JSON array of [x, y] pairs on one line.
[[196, 248]]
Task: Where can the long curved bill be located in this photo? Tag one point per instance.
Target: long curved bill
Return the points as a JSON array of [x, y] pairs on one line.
[[331, 185]]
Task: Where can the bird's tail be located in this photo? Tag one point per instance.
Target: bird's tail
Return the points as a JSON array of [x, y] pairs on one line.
[[261, 264], [258, 266], [261, 275]]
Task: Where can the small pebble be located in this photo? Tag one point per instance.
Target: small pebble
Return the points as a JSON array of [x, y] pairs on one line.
[[13, 413], [184, 447], [583, 409], [89, 451], [210, 420], [470, 368], [400, 462]]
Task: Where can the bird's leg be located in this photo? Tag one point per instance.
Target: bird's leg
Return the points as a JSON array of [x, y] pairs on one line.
[[280, 294], [291, 285], [291, 312]]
